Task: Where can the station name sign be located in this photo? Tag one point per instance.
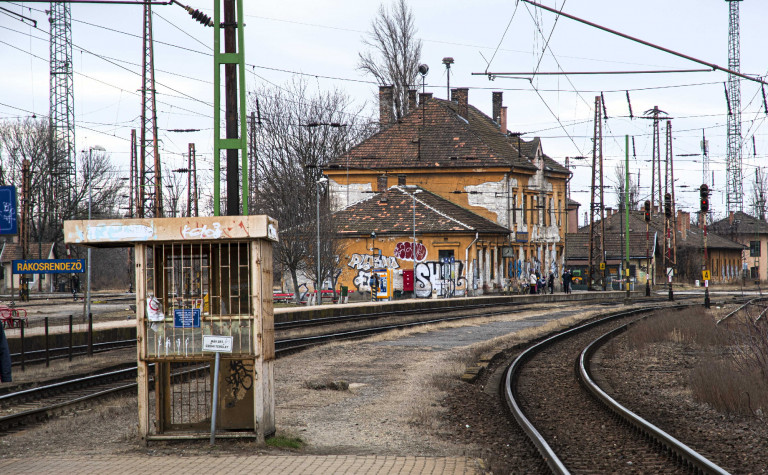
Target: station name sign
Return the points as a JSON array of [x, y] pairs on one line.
[[49, 266]]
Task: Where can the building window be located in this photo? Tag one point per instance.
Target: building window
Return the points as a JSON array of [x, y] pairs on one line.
[[514, 209], [525, 217], [754, 248]]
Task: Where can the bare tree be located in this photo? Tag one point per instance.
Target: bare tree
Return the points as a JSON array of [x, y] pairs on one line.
[[619, 183], [759, 194], [176, 196], [298, 134], [394, 52]]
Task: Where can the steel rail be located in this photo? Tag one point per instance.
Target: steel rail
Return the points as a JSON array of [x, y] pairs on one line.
[[683, 451], [746, 304], [510, 384]]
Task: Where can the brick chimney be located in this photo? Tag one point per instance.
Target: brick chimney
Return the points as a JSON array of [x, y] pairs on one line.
[[381, 183], [386, 107], [460, 95], [401, 180], [503, 119], [496, 100], [412, 100], [424, 97], [730, 219]]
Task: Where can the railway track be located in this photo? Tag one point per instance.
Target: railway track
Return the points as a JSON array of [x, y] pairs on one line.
[[35, 404], [575, 425]]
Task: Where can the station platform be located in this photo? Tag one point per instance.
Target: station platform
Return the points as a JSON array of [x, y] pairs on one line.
[[228, 464]]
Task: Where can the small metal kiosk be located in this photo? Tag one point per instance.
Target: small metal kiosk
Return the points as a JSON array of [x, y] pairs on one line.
[[197, 277]]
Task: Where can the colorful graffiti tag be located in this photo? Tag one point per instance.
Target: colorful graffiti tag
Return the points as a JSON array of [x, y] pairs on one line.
[[404, 251], [445, 279]]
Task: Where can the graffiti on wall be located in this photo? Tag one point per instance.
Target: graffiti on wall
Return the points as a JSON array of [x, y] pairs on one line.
[[405, 251], [365, 263], [446, 279]]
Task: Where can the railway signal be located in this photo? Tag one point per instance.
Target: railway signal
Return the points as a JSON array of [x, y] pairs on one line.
[[667, 205], [647, 210], [704, 198]]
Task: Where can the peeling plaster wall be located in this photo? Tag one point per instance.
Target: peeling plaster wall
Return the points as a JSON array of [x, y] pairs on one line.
[[357, 192], [493, 196]]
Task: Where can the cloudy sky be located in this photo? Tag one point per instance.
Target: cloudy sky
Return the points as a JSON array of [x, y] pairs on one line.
[[321, 41]]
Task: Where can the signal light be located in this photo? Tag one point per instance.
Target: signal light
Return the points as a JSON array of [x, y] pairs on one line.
[[704, 197], [647, 210], [668, 205]]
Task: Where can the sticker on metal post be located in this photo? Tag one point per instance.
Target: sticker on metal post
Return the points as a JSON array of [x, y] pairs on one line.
[[217, 343], [602, 266]]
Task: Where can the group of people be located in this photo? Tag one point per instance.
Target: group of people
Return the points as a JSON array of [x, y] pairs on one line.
[[538, 284]]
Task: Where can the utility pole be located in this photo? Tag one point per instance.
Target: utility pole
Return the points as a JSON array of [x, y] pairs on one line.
[[189, 179], [596, 202], [133, 181], [62, 153], [233, 60], [193, 170], [150, 184], [670, 242], [253, 162], [654, 114], [26, 218], [734, 190]]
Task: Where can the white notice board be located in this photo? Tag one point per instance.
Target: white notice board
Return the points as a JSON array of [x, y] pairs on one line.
[[218, 344]]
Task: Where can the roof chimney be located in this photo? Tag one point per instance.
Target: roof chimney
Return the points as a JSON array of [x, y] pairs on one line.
[[461, 96], [401, 179], [496, 99], [424, 96], [503, 119], [730, 219], [411, 100], [381, 183], [386, 108]]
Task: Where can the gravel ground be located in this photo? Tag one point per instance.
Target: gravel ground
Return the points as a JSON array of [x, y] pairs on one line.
[[404, 398]]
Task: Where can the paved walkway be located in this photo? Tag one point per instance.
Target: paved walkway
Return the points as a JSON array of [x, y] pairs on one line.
[[229, 464]]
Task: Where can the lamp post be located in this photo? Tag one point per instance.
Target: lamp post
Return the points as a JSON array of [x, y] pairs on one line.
[[413, 195], [98, 148], [319, 281], [373, 267]]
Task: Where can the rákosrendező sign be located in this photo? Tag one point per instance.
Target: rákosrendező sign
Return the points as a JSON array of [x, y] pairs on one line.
[[49, 266]]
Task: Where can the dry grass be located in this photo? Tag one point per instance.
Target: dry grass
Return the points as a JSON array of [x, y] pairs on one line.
[[731, 374]]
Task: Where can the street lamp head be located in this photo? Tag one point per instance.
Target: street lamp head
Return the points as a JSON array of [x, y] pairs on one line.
[[373, 235], [98, 148], [323, 179]]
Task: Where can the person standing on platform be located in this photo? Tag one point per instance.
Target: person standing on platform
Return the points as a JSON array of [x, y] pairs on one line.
[[567, 281], [551, 283], [534, 283], [5, 358]]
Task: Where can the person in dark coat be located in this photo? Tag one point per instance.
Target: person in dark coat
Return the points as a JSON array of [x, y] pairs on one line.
[[551, 282], [5, 358], [567, 281]]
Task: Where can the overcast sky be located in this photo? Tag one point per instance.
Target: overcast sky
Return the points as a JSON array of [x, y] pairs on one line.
[[321, 39]]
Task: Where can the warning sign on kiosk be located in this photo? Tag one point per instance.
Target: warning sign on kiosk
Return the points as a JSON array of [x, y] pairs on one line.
[[218, 344]]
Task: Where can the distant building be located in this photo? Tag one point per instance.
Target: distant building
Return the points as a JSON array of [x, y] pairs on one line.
[[12, 251], [752, 233], [454, 152], [724, 255]]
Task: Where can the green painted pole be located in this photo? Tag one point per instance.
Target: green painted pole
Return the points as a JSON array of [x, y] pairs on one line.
[[626, 208]]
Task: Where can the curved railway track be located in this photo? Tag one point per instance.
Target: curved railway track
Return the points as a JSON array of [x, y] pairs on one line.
[[30, 405], [574, 424]]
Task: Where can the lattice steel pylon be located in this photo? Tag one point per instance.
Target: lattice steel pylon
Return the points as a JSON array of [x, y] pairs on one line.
[[597, 244], [62, 153], [150, 185], [734, 190]]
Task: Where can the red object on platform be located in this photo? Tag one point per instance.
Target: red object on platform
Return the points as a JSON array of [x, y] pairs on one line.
[[408, 281]]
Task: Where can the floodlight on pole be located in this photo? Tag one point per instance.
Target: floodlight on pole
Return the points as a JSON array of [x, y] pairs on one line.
[[318, 282]]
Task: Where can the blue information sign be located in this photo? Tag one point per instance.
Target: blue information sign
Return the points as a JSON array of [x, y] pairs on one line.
[[8, 212], [49, 266], [186, 318]]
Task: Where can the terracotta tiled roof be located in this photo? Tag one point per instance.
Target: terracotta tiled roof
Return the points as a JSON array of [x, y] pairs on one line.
[[392, 212], [12, 251], [577, 245], [694, 236], [434, 135], [742, 224]]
